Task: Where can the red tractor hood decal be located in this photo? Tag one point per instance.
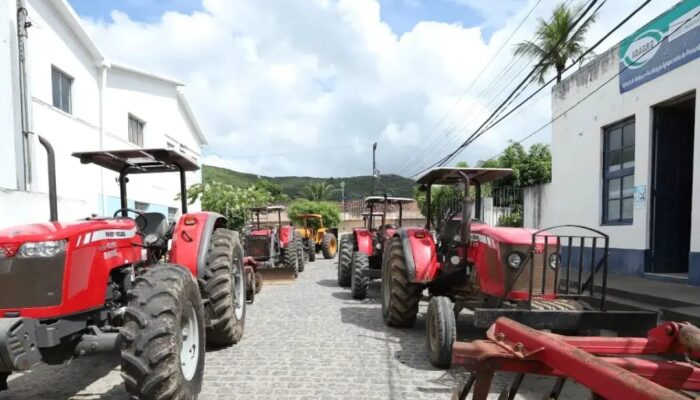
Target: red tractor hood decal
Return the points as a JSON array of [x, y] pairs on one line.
[[61, 230]]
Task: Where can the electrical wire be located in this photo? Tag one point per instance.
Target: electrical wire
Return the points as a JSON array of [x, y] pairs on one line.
[[598, 88]]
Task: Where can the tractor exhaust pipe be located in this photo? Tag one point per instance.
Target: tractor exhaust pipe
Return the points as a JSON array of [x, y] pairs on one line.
[[53, 197]]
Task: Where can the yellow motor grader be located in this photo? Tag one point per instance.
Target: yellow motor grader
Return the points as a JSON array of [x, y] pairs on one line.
[[316, 237]]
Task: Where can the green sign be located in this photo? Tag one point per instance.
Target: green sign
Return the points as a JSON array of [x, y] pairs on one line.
[[669, 41]]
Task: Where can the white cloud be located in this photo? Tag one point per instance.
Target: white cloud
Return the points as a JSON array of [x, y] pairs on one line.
[[305, 87]]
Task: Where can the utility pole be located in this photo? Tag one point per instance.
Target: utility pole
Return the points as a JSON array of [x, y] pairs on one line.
[[374, 165]]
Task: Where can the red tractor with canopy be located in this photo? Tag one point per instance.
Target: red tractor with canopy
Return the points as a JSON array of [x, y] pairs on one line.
[[155, 291], [271, 244], [365, 246], [542, 278]]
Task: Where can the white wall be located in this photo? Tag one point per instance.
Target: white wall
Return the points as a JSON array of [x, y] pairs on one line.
[[575, 194], [37, 206], [52, 42], [10, 127]]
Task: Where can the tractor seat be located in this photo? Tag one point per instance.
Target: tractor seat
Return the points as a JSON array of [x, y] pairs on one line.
[[450, 230], [382, 230], [156, 223]]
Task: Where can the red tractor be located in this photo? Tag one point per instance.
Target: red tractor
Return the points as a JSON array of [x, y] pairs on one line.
[[366, 245], [519, 273], [273, 246], [157, 292]]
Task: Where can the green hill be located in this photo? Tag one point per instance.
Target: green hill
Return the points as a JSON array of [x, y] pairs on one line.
[[355, 187]]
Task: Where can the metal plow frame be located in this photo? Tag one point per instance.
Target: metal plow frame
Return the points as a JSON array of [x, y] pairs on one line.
[[605, 365]]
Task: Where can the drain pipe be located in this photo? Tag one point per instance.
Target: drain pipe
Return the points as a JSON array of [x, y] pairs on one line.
[[25, 96]]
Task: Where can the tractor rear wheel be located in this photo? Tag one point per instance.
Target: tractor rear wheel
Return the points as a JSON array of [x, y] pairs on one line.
[[163, 335], [225, 288], [345, 260], [359, 284], [441, 331], [400, 296], [300, 251], [329, 245], [290, 257]]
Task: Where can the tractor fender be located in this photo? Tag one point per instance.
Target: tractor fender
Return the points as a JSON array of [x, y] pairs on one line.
[[191, 239], [363, 239], [285, 235], [419, 250]]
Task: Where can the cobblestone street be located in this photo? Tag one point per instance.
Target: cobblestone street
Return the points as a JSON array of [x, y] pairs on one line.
[[309, 339]]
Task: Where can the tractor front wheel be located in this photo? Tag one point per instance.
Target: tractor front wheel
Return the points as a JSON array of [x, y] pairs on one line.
[[329, 246], [441, 331], [311, 249], [250, 288], [225, 288], [300, 251], [359, 284], [345, 260], [400, 296], [258, 282], [163, 336], [290, 257]]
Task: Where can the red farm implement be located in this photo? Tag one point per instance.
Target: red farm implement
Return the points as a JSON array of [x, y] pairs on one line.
[[659, 366]]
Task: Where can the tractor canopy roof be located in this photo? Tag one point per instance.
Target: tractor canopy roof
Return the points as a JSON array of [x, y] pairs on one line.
[[390, 200], [141, 161], [268, 208], [311, 216], [451, 176]]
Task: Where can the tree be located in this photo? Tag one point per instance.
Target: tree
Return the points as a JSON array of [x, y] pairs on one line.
[[444, 200], [529, 168], [231, 202], [556, 42], [330, 212], [318, 191], [275, 190]]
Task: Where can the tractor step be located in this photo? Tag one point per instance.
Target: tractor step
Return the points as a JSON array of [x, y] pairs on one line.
[[277, 276]]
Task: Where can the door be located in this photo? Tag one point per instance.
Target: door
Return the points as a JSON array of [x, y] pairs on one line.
[[672, 186]]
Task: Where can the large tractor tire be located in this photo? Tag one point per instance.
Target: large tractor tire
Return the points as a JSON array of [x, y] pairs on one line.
[[290, 257], [345, 260], [441, 331], [225, 288], [300, 251], [163, 339], [329, 246], [400, 296], [359, 284]]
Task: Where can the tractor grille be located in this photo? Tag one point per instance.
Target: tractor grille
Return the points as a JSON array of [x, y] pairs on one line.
[[31, 282], [538, 262], [258, 247]]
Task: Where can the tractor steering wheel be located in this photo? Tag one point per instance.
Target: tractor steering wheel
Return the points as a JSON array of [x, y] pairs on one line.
[[140, 220]]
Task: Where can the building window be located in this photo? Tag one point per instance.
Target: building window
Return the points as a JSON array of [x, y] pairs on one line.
[[618, 173], [141, 206], [61, 88], [135, 131]]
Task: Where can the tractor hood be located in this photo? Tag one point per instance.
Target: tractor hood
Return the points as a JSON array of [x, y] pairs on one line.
[[62, 230], [506, 235]]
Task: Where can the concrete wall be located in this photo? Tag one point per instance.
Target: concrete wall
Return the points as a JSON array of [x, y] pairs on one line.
[[575, 194], [9, 91]]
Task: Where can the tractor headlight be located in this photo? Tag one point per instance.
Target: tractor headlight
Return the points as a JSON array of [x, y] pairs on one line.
[[554, 261], [49, 248], [515, 260]]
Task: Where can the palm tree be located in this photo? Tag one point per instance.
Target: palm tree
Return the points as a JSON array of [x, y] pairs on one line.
[[556, 42], [318, 191]]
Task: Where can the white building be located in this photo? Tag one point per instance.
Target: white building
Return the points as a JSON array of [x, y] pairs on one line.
[[624, 150], [81, 102]]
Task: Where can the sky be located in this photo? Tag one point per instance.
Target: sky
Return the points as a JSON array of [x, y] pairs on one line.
[[304, 87]]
